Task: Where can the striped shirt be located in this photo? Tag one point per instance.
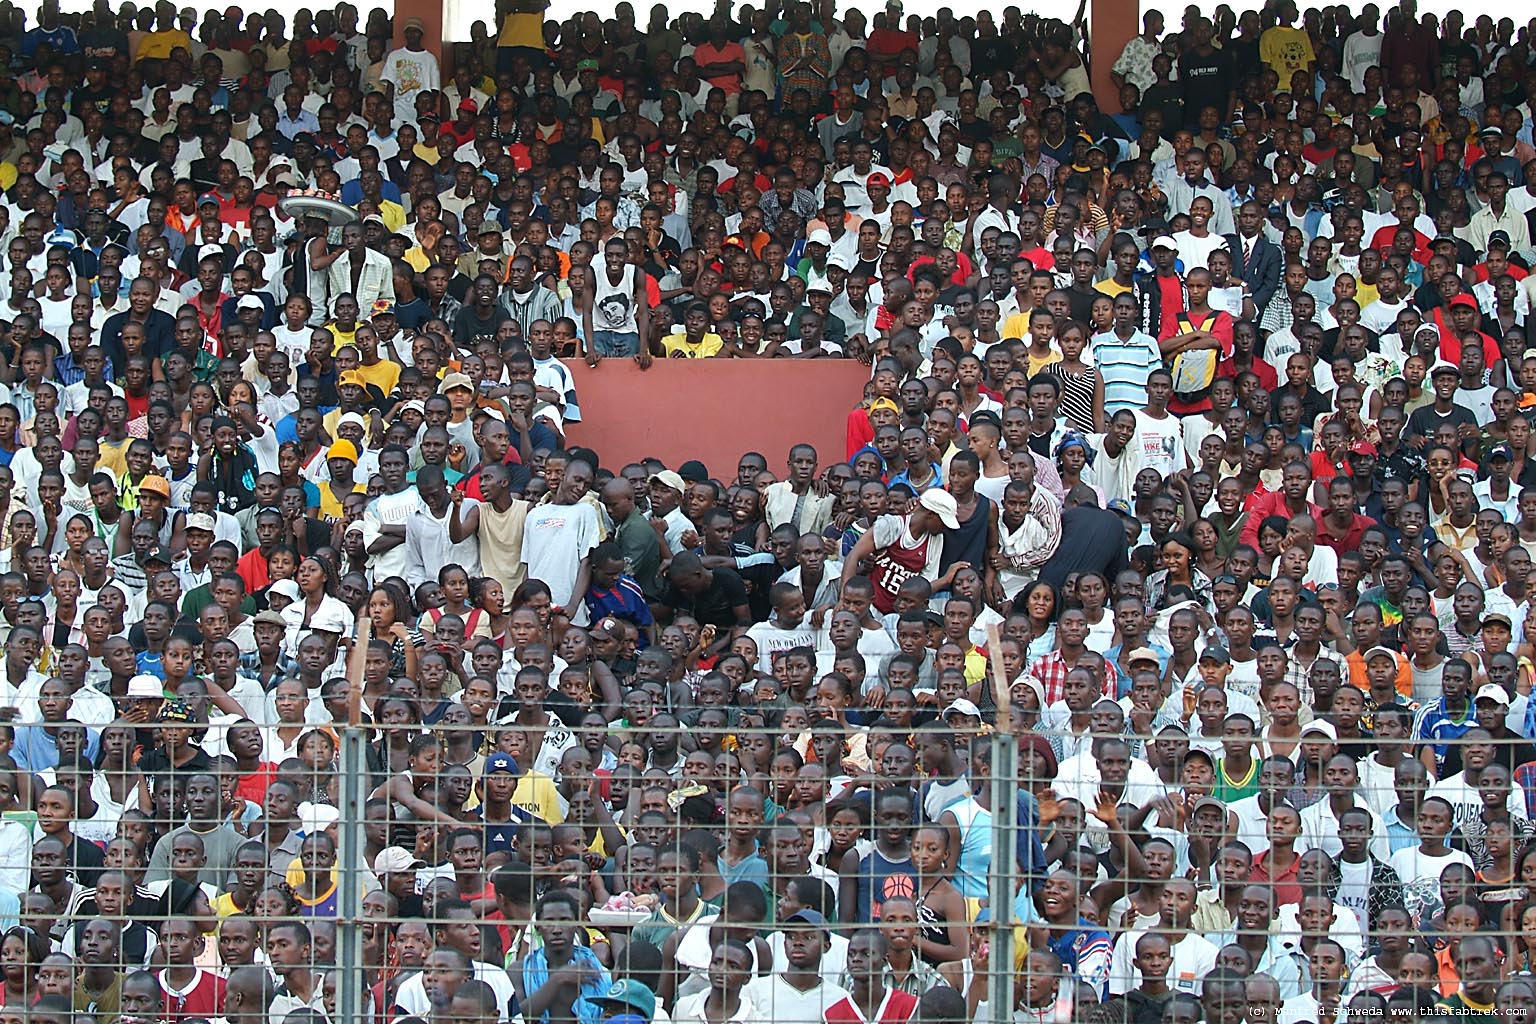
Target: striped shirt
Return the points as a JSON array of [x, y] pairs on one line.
[[1125, 366]]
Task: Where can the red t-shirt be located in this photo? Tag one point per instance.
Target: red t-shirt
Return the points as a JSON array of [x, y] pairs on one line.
[[1315, 154], [730, 53], [1041, 257], [1287, 890], [1480, 273], [1324, 470], [1450, 345], [1171, 301], [1382, 242], [460, 134], [860, 433], [253, 787], [888, 42], [252, 568], [759, 182], [1268, 378], [1217, 322], [204, 999], [896, 1008]]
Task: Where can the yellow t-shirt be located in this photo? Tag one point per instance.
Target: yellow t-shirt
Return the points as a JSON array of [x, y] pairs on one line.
[[1015, 325], [975, 662], [1109, 286], [677, 345], [1036, 364], [330, 507], [417, 258], [114, 455], [383, 374], [342, 337], [1286, 51], [522, 29], [224, 905], [536, 793], [158, 45], [393, 215], [293, 875], [277, 57]]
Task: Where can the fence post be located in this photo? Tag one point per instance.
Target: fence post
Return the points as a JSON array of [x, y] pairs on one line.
[[353, 793], [1005, 826]]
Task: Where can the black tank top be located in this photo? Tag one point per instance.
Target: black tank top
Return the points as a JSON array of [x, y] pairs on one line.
[[969, 543]]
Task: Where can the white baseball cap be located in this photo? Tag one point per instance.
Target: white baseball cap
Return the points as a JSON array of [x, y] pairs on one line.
[[941, 503]]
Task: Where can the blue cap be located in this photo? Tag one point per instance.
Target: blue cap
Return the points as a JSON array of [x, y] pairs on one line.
[[499, 762], [633, 994], [810, 917], [1120, 505]]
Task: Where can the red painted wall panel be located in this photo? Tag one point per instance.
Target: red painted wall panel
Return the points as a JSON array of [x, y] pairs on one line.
[[713, 410]]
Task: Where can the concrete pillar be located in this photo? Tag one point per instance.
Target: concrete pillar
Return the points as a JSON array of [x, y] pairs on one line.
[[1111, 24], [431, 14]]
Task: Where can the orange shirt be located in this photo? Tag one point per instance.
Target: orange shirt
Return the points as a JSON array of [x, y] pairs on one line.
[[1356, 662]]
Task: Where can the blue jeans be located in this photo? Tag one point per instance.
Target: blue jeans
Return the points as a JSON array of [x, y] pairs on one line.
[[615, 343]]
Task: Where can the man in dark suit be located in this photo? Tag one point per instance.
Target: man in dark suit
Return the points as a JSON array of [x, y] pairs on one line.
[[1098, 540], [1255, 258]]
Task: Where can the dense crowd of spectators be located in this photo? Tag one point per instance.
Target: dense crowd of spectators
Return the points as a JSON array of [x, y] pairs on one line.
[[1195, 456]]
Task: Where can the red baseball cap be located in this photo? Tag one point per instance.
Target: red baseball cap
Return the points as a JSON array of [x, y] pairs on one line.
[[1463, 300]]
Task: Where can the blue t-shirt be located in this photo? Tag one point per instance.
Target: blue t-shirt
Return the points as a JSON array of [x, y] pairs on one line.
[[1085, 951], [1437, 727], [61, 39], [752, 869], [624, 601]]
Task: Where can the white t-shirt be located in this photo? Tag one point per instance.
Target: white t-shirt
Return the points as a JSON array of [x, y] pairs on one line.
[[782, 1003], [389, 510], [1464, 801], [1376, 784], [56, 315], [1252, 824], [1193, 957], [1355, 887], [1194, 251], [411, 72], [295, 343], [1161, 442], [412, 996], [1414, 865], [1479, 401], [555, 540], [771, 638], [1381, 315]]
